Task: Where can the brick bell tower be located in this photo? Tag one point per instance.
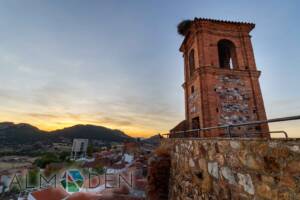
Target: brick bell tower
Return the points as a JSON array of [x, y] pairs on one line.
[[221, 79]]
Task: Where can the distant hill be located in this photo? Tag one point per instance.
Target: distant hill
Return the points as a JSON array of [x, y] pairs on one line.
[[11, 133], [92, 132], [154, 140]]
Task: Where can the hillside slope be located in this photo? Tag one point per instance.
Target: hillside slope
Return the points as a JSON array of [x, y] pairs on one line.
[[11, 133]]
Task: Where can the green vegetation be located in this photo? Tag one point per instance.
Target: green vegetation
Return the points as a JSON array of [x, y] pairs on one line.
[[47, 159], [90, 150], [99, 169], [64, 156], [32, 177], [15, 189]]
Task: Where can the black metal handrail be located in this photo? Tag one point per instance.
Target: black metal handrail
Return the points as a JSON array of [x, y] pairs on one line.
[[228, 127]]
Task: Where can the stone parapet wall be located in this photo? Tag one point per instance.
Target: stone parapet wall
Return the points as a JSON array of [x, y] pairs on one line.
[[234, 169], [158, 177]]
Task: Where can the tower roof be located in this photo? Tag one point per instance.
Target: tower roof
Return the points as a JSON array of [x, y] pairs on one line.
[[184, 28], [252, 25]]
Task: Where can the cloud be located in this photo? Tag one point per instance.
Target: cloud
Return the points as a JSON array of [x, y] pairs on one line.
[[111, 120], [43, 115]]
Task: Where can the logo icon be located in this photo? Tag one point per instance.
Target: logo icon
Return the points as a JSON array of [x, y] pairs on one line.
[[72, 180]]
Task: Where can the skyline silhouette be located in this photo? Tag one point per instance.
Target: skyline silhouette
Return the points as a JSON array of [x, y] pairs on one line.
[[117, 64]]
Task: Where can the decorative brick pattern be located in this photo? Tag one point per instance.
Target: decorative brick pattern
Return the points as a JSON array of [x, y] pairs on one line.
[[220, 95]]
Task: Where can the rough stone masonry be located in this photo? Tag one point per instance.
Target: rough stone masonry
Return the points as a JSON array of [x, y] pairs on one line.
[[234, 169]]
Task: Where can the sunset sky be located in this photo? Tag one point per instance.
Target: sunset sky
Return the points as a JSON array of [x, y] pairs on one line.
[[117, 64]]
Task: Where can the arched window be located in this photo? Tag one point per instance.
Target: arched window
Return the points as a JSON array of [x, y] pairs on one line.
[[192, 62], [227, 56], [192, 89]]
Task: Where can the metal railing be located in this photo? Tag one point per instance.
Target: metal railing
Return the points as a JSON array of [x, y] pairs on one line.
[[229, 127]]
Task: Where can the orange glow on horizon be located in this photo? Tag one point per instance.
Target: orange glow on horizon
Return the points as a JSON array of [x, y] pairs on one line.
[[131, 131], [61, 121], [53, 124]]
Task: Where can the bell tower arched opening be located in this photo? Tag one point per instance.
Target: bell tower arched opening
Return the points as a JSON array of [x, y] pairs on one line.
[[227, 54]]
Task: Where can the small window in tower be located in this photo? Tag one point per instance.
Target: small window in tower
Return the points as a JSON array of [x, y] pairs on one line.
[[195, 123], [227, 55], [192, 62], [192, 89]]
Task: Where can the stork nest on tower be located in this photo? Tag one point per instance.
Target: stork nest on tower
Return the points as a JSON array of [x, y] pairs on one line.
[[184, 26]]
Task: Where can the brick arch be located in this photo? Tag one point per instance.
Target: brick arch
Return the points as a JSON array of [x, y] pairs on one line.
[[192, 64], [227, 54]]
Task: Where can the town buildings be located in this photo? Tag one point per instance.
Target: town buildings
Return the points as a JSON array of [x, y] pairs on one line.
[[79, 148]]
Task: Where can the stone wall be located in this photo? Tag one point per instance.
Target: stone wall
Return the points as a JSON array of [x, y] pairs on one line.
[[158, 176], [234, 169]]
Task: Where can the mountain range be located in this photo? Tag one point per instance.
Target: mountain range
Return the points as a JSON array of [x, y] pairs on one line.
[[11, 133]]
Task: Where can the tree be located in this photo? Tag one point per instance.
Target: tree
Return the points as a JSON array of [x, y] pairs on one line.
[[32, 177], [90, 150], [46, 159], [99, 169], [63, 156]]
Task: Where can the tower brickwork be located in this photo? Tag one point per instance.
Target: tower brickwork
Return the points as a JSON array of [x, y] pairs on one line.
[[221, 84]]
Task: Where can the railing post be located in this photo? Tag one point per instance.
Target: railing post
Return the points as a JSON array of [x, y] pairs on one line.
[[228, 130]]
